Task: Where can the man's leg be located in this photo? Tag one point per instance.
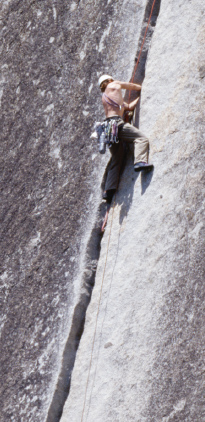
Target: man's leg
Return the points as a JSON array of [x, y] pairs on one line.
[[131, 134], [115, 165]]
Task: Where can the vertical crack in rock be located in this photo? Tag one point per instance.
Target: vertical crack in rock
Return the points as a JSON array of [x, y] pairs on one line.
[[77, 326], [140, 72], [93, 251], [139, 75]]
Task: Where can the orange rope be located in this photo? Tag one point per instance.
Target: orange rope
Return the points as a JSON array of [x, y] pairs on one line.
[[142, 45]]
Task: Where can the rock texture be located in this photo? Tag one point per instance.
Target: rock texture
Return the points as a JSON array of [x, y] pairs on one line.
[[52, 53], [147, 360]]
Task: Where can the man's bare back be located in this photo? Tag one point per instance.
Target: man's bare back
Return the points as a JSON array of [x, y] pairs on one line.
[[112, 99]]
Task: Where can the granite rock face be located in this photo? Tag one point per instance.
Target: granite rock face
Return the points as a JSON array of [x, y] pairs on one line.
[[52, 53], [147, 360], [146, 363]]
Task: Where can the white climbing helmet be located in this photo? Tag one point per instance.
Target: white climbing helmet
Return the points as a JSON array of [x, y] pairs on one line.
[[104, 78]]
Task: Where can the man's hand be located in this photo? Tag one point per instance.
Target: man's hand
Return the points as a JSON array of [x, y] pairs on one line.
[[132, 105]]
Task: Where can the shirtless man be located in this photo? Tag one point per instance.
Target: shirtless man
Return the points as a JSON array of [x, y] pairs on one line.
[[114, 107]]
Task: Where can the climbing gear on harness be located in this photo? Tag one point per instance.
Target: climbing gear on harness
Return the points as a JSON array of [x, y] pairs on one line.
[[112, 102], [143, 166], [102, 141], [107, 132], [104, 78]]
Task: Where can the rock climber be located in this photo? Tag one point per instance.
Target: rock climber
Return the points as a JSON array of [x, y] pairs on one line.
[[115, 106]]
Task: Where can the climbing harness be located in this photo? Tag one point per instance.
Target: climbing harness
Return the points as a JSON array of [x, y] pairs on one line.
[[103, 276], [107, 132]]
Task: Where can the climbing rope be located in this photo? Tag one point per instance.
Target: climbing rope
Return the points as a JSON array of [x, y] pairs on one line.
[[103, 275], [143, 41]]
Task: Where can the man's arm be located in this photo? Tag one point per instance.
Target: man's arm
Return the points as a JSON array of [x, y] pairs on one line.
[[128, 85], [132, 105]]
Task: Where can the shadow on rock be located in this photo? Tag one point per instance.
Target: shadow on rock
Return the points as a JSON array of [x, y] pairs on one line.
[[146, 180], [126, 188], [128, 178]]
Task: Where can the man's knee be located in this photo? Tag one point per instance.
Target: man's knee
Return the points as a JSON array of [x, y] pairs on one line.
[[131, 134], [142, 140]]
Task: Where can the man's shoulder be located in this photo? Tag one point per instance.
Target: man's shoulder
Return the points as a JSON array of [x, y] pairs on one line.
[[114, 85]]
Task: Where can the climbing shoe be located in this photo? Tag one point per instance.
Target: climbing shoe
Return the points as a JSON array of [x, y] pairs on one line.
[[108, 195], [143, 166]]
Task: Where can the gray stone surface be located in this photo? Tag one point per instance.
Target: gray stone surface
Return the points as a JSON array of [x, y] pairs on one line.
[[52, 53], [147, 362]]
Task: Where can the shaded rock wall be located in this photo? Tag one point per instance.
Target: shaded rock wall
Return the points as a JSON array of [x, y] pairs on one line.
[[147, 359], [52, 53]]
